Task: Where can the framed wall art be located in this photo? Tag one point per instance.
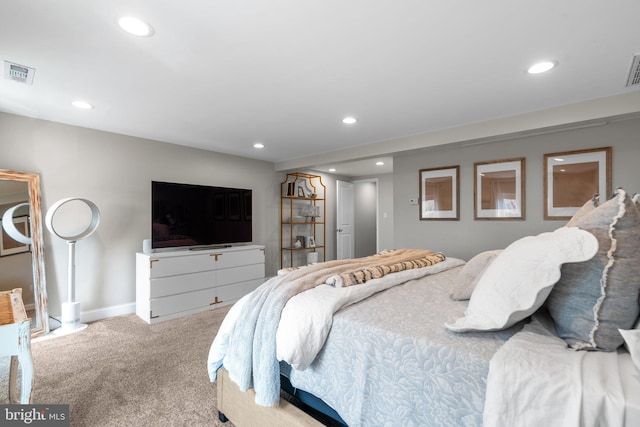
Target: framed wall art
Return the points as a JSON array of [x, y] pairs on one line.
[[571, 178], [499, 189], [440, 193]]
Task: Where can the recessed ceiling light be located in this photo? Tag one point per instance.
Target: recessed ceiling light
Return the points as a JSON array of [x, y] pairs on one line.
[[558, 159], [349, 120], [83, 105], [541, 67], [258, 145], [332, 170], [379, 163], [135, 26]]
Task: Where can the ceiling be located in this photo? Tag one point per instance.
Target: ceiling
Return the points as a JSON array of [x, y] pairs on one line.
[[222, 75]]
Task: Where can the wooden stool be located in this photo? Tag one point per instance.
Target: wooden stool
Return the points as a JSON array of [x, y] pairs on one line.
[[15, 341]]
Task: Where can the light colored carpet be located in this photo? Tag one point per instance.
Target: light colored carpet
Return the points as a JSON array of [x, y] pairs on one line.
[[123, 372]]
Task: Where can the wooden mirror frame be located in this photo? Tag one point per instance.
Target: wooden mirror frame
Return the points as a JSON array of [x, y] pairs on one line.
[[40, 325]]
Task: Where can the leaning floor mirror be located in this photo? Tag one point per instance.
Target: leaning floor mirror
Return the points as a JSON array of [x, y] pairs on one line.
[[22, 245]]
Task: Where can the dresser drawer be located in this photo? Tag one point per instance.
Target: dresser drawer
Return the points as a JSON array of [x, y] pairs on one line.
[[171, 285], [182, 302], [174, 266], [239, 274], [239, 258], [232, 293]]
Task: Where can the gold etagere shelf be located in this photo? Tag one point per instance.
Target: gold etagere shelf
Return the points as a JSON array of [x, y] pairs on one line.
[[302, 220]]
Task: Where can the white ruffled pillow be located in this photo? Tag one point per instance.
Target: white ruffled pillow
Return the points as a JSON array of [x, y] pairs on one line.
[[632, 344], [520, 278]]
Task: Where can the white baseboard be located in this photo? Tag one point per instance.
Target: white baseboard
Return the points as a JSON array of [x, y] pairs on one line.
[[104, 313], [90, 316]]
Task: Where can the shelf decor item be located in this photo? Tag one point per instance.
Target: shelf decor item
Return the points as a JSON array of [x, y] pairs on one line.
[[312, 257], [302, 219]]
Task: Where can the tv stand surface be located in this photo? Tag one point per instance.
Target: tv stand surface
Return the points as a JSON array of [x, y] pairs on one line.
[[179, 283], [205, 248]]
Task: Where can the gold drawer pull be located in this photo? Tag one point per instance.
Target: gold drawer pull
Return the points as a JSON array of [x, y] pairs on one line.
[[216, 301]]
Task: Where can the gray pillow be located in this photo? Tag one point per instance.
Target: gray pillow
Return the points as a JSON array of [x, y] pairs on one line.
[[584, 210], [595, 298], [471, 273]]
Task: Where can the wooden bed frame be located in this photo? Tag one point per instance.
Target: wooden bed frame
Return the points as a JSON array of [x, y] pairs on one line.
[[240, 408]]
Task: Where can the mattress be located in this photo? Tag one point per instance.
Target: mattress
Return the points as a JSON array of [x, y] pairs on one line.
[[390, 361]]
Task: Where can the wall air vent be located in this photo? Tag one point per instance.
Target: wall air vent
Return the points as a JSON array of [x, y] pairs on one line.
[[18, 73], [634, 73]]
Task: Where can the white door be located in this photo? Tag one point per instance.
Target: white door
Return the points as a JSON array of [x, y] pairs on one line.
[[344, 220]]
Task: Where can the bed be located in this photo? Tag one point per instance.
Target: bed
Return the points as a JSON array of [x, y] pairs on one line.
[[450, 343]]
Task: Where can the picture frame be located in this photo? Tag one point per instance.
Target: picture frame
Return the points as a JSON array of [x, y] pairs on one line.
[[499, 189], [311, 242], [571, 178], [439, 193], [8, 246]]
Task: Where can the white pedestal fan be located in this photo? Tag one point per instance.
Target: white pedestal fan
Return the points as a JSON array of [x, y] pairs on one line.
[[71, 308]]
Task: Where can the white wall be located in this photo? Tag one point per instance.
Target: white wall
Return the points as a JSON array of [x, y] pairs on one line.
[[468, 237], [115, 172]]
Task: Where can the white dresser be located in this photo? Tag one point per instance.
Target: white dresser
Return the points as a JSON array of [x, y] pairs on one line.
[[178, 283]]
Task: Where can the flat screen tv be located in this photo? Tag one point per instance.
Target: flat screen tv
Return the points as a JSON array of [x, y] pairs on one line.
[[187, 215]]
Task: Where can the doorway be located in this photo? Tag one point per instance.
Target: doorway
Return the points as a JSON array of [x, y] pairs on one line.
[[357, 218], [366, 217]]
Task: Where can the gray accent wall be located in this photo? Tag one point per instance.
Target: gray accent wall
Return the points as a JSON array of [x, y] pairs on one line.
[[365, 213], [115, 172], [467, 237], [385, 210]]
